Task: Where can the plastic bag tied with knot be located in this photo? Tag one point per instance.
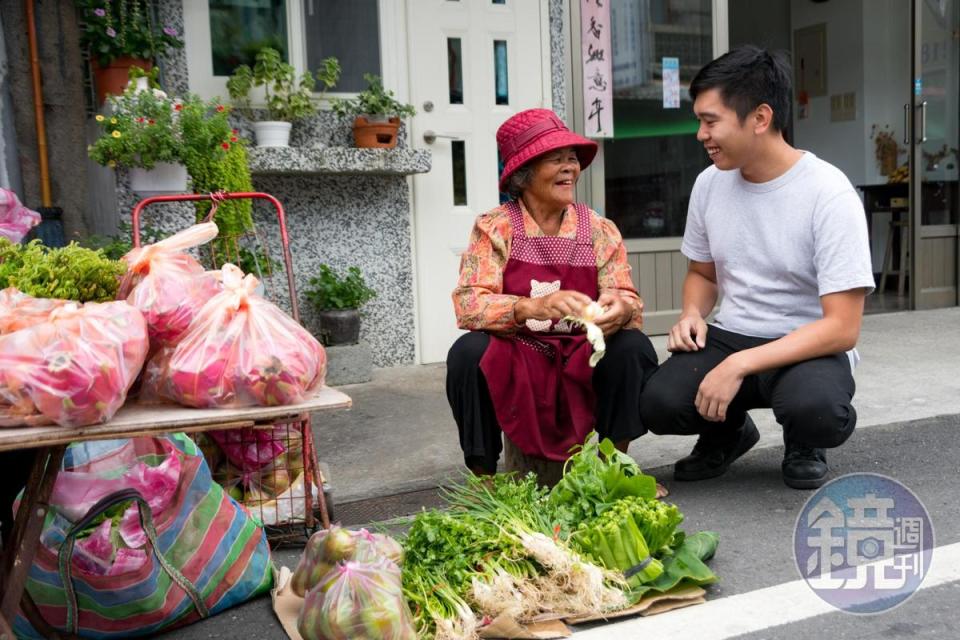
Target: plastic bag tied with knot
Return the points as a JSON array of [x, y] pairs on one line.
[[167, 284], [240, 351]]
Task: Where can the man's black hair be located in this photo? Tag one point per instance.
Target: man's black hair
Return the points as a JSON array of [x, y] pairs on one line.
[[747, 77]]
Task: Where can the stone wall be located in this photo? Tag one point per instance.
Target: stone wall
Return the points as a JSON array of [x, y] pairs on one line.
[[62, 70]]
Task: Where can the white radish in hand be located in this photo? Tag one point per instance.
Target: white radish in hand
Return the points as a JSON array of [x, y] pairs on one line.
[[594, 333]]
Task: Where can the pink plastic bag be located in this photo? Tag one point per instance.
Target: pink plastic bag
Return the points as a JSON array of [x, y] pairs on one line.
[[241, 351], [76, 368], [168, 285], [19, 310], [15, 219]]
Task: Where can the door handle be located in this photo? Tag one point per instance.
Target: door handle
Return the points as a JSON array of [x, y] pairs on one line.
[[430, 136], [923, 121], [906, 124]]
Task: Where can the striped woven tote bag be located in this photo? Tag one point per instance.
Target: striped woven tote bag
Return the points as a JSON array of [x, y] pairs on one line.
[[158, 544]]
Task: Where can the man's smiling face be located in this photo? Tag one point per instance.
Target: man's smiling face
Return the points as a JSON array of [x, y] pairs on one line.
[[727, 141]]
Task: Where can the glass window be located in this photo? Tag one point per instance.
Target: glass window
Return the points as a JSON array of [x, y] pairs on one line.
[[501, 84], [458, 149], [348, 31], [240, 28], [651, 163], [455, 70]]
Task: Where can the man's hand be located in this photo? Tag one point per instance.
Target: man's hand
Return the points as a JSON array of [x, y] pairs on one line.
[[618, 312], [551, 307], [689, 334], [718, 389]]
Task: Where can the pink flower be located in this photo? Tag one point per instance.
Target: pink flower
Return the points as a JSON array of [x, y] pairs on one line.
[[170, 31], [100, 13], [110, 32]]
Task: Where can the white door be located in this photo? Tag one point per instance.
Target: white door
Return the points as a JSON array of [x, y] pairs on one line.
[[473, 63]]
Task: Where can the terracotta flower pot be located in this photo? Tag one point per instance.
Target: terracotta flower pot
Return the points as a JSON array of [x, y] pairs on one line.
[[112, 79], [368, 134]]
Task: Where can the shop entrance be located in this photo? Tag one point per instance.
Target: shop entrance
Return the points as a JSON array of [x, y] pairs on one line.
[[877, 95]]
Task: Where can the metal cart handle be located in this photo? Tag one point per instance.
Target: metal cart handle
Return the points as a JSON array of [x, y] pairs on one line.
[[219, 197]]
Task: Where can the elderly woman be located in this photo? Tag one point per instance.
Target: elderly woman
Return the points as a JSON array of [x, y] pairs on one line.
[[522, 370]]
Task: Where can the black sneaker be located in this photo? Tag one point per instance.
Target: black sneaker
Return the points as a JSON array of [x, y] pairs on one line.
[[804, 467], [711, 458]]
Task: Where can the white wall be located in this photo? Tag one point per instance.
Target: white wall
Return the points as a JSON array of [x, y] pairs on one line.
[[840, 143], [886, 76]]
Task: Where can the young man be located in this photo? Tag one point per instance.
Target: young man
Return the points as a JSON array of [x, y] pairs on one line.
[[781, 236]]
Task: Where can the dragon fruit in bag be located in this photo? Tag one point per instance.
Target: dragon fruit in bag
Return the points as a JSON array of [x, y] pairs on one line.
[[241, 351], [168, 285], [76, 368], [19, 310]]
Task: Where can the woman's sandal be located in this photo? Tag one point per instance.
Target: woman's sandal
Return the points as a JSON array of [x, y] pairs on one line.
[[662, 491]]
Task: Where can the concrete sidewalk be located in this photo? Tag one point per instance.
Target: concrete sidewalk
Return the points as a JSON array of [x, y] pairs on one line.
[[400, 436]]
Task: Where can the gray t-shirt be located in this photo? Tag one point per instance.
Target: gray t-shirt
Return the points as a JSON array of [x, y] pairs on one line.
[[778, 245]]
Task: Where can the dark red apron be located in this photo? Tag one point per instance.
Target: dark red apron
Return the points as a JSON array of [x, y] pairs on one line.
[[540, 381]]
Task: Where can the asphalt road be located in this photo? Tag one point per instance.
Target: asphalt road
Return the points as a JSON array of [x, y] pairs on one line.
[[755, 514]]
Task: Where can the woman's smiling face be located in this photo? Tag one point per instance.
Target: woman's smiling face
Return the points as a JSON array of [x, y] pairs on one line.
[[555, 177]]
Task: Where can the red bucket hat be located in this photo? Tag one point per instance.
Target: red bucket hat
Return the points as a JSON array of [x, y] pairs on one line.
[[534, 132]]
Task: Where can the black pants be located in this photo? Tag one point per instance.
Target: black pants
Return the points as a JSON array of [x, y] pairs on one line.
[[618, 379], [810, 399]]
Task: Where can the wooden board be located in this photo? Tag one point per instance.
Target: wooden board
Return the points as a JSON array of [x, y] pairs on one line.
[[137, 420]]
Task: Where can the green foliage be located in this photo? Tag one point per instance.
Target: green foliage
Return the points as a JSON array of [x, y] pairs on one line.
[[256, 261], [374, 101], [234, 218], [594, 478], [149, 127], [287, 99], [329, 290], [142, 131], [69, 273], [117, 28]]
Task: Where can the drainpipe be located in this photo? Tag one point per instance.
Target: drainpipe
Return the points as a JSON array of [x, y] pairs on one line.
[[50, 230]]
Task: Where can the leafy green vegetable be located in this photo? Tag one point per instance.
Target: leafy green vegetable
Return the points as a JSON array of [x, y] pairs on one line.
[[685, 564], [67, 273], [594, 478]]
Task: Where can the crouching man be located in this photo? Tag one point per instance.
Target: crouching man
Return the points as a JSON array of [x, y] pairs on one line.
[[781, 236]]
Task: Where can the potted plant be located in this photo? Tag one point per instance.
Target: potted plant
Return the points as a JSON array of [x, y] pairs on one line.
[[147, 128], [142, 134], [337, 300], [286, 99], [376, 114], [118, 35]]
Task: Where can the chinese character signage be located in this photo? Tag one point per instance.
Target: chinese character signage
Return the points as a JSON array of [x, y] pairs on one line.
[[597, 68]]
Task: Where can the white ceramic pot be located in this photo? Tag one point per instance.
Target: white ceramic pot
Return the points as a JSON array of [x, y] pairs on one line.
[[165, 177], [272, 133]]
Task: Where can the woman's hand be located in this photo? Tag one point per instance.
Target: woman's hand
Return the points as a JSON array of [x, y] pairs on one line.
[[555, 306], [618, 312]]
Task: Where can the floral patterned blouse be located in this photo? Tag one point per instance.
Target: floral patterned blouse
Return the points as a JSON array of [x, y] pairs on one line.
[[479, 301]]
